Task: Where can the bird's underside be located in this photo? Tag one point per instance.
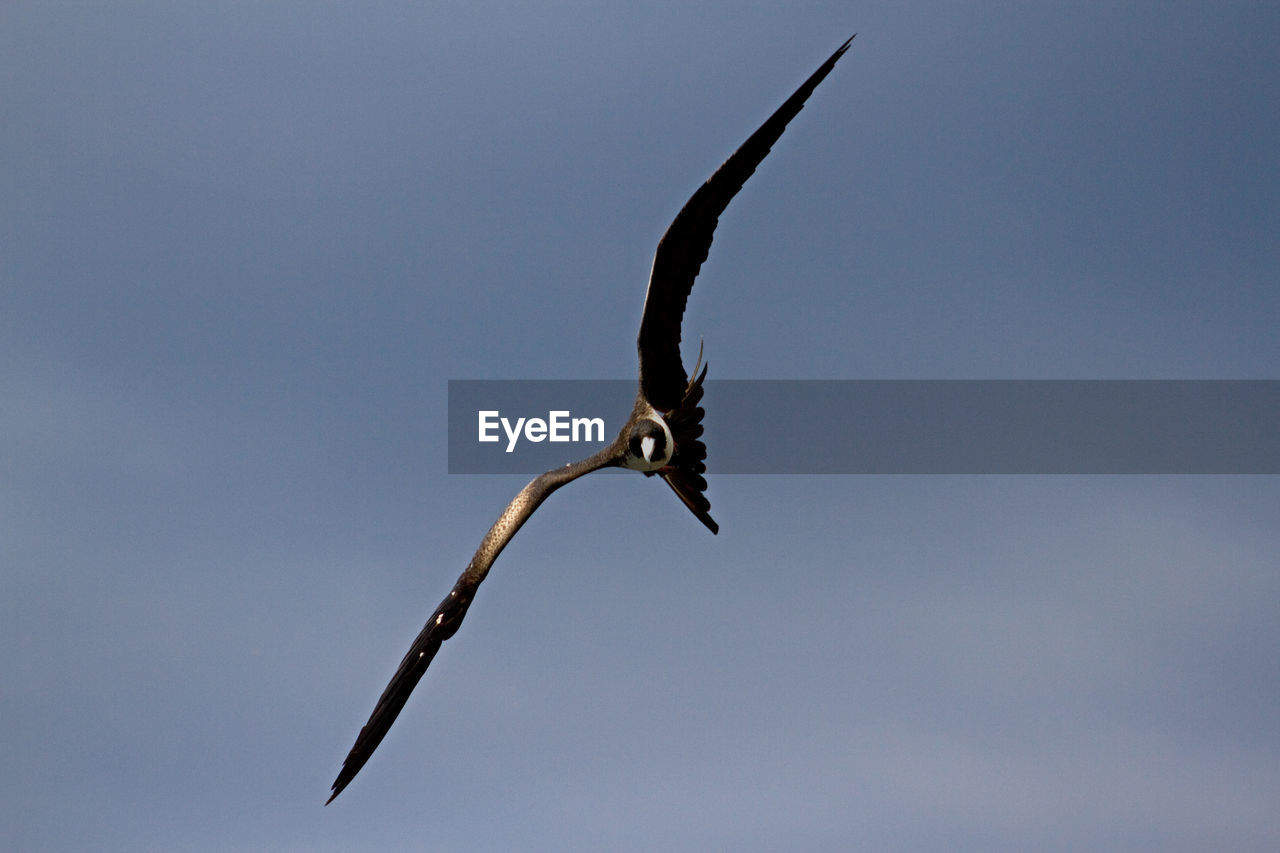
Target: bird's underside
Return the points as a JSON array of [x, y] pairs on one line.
[[662, 436]]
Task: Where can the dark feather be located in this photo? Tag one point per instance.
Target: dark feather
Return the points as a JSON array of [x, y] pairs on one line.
[[684, 473], [662, 385], [685, 245], [444, 623]]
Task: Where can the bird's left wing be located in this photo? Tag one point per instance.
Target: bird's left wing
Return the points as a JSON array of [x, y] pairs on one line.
[[685, 245]]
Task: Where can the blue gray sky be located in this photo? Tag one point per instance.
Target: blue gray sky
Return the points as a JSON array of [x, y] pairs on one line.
[[245, 246]]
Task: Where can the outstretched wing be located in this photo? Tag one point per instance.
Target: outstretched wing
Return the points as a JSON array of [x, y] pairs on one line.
[[684, 247], [442, 625]]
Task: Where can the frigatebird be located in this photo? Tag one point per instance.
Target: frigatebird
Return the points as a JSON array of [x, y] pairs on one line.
[[661, 437]]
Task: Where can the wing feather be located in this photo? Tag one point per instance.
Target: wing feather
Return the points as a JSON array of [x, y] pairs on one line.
[[684, 247], [447, 618], [442, 625]]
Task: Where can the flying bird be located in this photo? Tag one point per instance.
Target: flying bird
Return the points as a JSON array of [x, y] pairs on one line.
[[662, 436]]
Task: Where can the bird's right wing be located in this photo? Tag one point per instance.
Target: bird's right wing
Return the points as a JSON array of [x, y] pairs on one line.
[[446, 619], [442, 625], [685, 245]]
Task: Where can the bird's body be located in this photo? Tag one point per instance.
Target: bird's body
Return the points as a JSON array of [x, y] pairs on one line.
[[660, 438]]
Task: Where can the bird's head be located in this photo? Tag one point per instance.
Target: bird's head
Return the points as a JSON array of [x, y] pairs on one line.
[[649, 444]]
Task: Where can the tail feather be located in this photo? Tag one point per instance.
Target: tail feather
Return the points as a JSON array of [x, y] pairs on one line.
[[684, 473]]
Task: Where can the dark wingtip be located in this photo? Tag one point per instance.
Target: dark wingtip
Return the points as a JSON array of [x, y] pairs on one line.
[[340, 784], [840, 50], [353, 763]]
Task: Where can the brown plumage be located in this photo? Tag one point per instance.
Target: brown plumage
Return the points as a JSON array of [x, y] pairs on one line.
[[666, 408]]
